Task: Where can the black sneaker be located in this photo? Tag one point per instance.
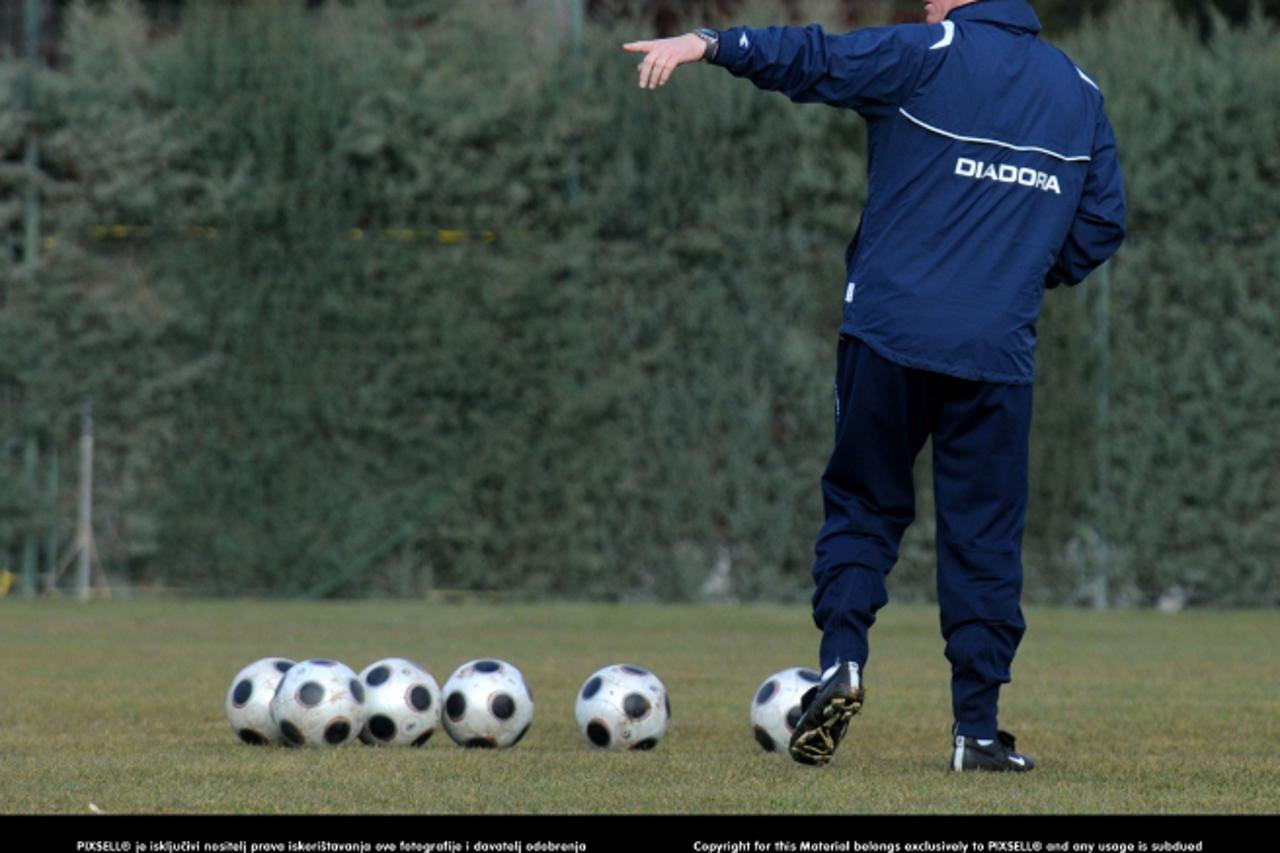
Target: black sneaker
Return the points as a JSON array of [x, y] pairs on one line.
[[998, 756], [827, 708]]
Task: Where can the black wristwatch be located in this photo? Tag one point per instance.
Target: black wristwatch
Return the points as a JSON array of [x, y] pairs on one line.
[[712, 38]]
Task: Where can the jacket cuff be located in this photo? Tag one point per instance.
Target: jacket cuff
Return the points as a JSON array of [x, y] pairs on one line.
[[733, 49]]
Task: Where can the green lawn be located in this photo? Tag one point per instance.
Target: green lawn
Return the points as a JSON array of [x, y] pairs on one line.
[[119, 704]]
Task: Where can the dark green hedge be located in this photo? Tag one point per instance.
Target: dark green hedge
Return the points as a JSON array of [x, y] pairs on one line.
[[613, 379]]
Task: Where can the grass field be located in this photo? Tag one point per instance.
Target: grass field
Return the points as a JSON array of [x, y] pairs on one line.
[[120, 705]]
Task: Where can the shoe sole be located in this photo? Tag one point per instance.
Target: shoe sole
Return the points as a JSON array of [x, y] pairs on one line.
[[988, 768], [817, 746]]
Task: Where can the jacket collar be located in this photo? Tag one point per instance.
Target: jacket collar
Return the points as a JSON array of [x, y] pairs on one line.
[[1011, 14]]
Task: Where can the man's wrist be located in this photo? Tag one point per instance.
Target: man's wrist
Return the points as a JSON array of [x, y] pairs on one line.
[[711, 39]]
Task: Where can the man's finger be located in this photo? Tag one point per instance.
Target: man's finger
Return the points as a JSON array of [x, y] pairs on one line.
[[643, 69], [638, 46], [664, 73], [652, 72], [662, 70]]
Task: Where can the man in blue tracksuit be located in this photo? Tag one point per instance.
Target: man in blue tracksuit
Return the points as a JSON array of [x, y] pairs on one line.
[[992, 176]]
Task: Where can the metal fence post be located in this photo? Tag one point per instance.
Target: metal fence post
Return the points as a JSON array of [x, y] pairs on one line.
[[31, 198], [1103, 501]]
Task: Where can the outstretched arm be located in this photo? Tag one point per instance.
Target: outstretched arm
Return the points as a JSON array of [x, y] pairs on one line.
[[664, 56], [871, 70]]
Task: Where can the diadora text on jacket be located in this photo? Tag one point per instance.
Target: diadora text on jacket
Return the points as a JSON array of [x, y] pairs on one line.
[[992, 175]]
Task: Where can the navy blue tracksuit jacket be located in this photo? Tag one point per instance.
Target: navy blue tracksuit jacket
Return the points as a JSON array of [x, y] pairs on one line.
[[983, 191]]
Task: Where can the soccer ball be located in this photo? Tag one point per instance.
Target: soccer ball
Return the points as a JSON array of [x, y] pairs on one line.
[[319, 703], [487, 704], [249, 701], [402, 703], [775, 710], [623, 707]]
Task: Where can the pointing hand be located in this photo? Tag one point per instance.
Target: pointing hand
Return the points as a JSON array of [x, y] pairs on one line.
[[663, 56]]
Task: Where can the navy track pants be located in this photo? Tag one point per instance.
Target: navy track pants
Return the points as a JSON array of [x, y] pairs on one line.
[[980, 431]]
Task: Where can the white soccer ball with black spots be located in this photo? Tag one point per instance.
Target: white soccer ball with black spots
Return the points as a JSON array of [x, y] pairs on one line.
[[319, 702], [487, 704], [248, 702], [402, 703], [623, 706], [775, 708]]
